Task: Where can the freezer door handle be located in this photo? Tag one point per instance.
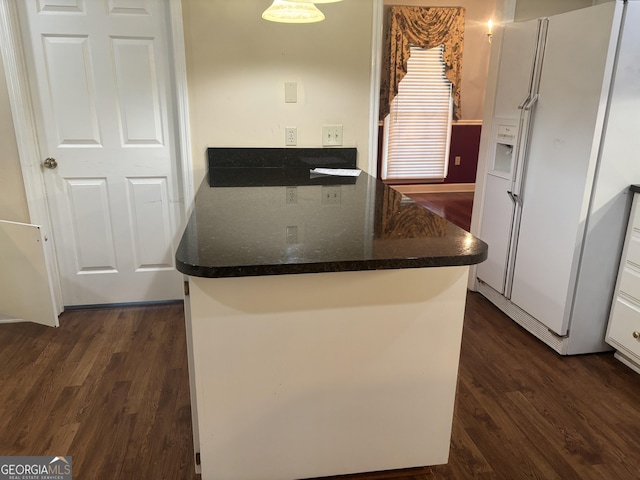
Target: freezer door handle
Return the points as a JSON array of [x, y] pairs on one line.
[[514, 197], [528, 102], [524, 102], [532, 101]]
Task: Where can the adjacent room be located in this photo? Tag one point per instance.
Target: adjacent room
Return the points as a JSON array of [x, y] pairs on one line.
[[395, 241]]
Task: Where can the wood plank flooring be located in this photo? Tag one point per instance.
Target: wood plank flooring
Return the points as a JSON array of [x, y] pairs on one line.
[[454, 206], [110, 387]]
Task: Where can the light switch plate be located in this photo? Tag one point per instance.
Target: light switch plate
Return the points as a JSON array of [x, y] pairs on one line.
[[331, 195], [290, 92], [331, 135]]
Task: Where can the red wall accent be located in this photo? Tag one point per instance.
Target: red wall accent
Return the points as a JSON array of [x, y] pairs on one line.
[[465, 143]]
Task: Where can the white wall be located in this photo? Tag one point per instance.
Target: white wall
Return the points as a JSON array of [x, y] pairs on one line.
[[475, 56], [13, 201], [237, 65]]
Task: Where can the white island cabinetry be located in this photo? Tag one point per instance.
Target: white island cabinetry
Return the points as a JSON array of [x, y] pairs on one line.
[[324, 319], [300, 376]]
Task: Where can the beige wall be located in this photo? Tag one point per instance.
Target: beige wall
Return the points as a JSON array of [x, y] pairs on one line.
[[238, 64], [475, 57], [529, 9], [13, 202]]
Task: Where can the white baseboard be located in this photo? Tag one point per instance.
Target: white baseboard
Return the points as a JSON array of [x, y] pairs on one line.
[[4, 319], [467, 122], [436, 188], [627, 361], [454, 123]]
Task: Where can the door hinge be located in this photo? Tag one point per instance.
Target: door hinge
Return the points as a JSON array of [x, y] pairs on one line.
[[186, 288], [197, 455]]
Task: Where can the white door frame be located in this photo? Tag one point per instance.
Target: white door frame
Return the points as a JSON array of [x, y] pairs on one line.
[[24, 122], [374, 93]]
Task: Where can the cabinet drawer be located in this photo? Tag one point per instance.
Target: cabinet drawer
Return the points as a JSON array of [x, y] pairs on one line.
[[633, 250], [635, 219], [624, 322], [630, 284]]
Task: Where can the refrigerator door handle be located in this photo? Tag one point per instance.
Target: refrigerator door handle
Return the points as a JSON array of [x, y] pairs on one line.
[[526, 112], [517, 184], [524, 102], [533, 100]]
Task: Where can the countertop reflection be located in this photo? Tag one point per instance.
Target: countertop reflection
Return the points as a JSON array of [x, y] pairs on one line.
[[329, 225]]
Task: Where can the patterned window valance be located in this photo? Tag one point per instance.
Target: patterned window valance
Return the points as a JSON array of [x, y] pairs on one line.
[[424, 27]]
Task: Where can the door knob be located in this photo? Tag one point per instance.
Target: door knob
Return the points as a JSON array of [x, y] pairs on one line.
[[50, 163]]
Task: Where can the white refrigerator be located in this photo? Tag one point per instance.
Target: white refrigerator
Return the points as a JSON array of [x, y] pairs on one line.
[[565, 147]]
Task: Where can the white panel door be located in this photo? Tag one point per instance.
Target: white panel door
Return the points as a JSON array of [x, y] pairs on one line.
[[99, 72], [563, 152], [25, 292]]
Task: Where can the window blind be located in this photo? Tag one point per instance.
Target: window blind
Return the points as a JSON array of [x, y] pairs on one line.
[[418, 127]]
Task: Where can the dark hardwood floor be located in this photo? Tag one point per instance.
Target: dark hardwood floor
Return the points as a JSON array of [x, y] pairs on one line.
[[110, 387], [454, 206]]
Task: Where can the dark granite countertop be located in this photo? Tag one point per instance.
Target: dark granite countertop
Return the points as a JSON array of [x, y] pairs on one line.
[[248, 231], [281, 220]]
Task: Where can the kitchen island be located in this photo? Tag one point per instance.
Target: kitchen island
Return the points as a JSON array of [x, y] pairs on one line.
[[324, 319]]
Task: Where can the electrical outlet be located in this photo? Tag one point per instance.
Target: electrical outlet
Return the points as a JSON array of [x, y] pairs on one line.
[[457, 160], [331, 135], [291, 135], [292, 195], [331, 195]]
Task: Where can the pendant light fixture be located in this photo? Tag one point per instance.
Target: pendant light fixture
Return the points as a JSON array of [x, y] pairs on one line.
[[288, 11]]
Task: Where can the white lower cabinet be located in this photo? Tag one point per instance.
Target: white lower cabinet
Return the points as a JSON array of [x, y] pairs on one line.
[[623, 332], [323, 374]]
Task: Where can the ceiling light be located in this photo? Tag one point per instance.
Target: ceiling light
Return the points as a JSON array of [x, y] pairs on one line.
[[286, 11], [317, 1]]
